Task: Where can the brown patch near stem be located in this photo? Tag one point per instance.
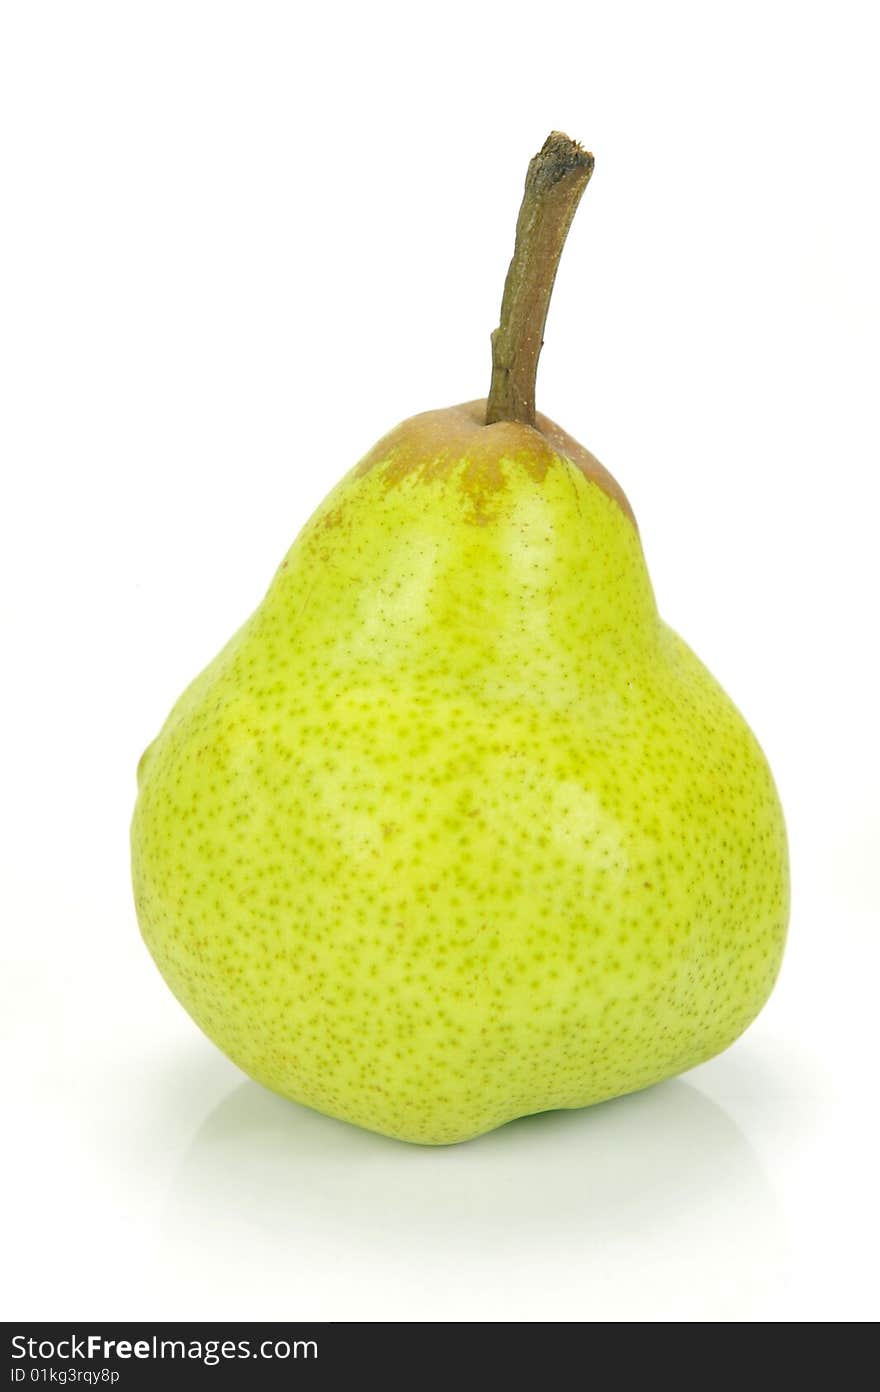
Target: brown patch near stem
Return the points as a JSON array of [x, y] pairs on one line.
[[434, 444]]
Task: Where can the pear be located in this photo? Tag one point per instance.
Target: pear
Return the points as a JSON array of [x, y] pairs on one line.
[[455, 828]]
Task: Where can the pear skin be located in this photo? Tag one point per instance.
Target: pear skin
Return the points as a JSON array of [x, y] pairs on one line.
[[455, 828]]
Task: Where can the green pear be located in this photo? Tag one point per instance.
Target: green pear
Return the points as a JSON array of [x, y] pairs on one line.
[[455, 828]]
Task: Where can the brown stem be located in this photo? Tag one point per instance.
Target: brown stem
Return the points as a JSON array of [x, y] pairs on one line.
[[556, 179]]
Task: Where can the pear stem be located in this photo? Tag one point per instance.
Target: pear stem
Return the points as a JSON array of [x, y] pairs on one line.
[[557, 177]]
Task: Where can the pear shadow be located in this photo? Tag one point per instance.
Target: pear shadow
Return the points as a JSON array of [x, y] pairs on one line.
[[652, 1206]]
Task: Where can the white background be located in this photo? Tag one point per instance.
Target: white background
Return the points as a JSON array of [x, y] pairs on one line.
[[239, 242]]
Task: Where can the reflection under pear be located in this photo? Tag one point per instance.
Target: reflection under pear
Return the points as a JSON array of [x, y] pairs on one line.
[[655, 1203]]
